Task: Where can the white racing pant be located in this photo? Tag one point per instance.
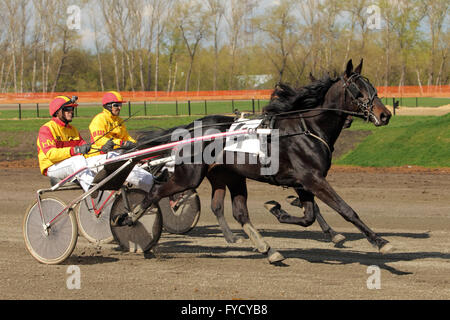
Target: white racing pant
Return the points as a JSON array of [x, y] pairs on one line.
[[71, 165], [138, 177]]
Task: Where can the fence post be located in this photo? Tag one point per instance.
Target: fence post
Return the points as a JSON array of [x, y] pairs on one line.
[[20, 111], [189, 107], [253, 106], [129, 108], [232, 105], [145, 108], [206, 108], [37, 110], [417, 100], [176, 107]]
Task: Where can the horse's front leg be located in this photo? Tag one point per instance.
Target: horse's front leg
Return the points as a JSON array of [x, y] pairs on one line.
[[335, 237], [316, 184]]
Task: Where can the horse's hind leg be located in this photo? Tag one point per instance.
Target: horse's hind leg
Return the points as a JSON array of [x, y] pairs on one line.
[[184, 178], [306, 201], [217, 205], [238, 190], [317, 185]]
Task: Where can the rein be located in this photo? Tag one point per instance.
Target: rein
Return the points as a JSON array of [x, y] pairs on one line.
[[364, 105]]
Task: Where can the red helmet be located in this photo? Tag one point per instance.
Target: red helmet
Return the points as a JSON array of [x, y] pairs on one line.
[[61, 101], [111, 97]]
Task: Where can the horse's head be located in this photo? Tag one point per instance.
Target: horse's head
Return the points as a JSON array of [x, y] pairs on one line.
[[361, 97]]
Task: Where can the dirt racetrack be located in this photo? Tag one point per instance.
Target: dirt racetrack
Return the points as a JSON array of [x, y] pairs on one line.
[[408, 207]]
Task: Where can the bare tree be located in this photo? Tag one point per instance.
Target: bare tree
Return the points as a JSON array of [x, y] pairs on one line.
[[280, 27], [13, 8], [193, 24], [235, 17], [174, 44], [136, 10], [107, 11], [162, 9], [217, 10], [405, 23], [437, 11], [98, 48]]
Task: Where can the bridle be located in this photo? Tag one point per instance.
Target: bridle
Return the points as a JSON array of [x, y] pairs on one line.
[[364, 104], [364, 107]]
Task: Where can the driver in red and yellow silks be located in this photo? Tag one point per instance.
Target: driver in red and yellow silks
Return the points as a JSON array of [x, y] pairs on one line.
[[109, 133], [61, 148], [108, 130]]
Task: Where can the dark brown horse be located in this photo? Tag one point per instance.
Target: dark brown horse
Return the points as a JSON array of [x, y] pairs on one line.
[[309, 122]]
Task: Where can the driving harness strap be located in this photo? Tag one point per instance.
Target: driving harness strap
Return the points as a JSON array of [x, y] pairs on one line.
[[269, 121], [309, 133]]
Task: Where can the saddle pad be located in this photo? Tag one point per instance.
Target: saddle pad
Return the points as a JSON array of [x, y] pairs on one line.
[[248, 143]]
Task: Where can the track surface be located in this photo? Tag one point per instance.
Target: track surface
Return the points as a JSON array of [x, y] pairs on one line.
[[408, 207]]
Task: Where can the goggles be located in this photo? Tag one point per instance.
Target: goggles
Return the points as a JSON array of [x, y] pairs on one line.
[[68, 109]]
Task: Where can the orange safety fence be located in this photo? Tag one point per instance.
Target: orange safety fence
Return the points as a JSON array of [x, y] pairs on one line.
[[139, 96], [414, 91]]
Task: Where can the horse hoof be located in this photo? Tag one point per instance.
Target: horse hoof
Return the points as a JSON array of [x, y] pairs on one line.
[[387, 248], [294, 201], [274, 256], [274, 208], [269, 205], [338, 239], [235, 240]]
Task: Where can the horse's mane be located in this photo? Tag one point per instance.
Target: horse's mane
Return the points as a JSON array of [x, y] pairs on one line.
[[285, 98]]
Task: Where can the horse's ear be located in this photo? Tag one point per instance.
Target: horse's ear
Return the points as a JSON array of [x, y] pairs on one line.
[[358, 69], [349, 68], [311, 77]]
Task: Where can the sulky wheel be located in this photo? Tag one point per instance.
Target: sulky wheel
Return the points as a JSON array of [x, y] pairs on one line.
[[145, 233], [93, 217], [180, 212], [53, 243]]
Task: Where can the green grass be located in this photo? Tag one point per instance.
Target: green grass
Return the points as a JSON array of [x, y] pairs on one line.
[[420, 141], [150, 109], [407, 140], [182, 108], [418, 102], [33, 125], [395, 122]]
